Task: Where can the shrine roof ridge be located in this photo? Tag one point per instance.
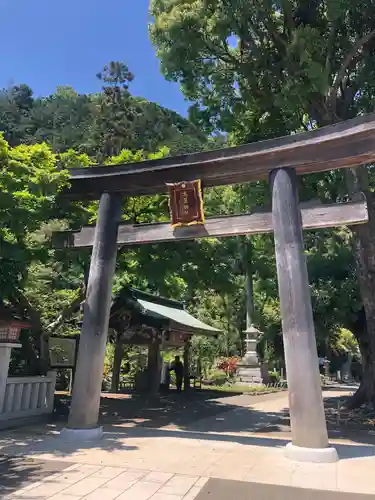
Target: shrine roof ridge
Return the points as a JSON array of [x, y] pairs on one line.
[[342, 145], [157, 299]]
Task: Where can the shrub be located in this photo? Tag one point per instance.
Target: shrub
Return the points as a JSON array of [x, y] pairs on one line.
[[217, 378], [274, 377], [228, 366]]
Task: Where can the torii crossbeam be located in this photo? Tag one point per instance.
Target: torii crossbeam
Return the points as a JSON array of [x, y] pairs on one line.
[[313, 217], [343, 145]]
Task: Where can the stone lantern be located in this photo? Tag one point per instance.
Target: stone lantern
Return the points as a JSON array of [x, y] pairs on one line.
[[249, 370]]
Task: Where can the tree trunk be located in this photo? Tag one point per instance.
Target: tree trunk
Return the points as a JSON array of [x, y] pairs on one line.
[[366, 390], [364, 249]]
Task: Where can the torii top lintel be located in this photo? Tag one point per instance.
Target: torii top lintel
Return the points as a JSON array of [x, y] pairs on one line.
[[343, 145]]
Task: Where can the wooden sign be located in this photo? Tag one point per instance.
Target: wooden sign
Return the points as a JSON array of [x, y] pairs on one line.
[[186, 203]]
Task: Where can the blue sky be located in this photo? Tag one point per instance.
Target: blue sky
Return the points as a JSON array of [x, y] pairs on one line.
[[49, 42]]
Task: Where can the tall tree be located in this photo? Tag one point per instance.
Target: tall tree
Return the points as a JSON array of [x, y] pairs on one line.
[[262, 69], [113, 111]]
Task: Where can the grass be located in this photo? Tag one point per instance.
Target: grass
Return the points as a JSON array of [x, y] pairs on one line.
[[245, 389]]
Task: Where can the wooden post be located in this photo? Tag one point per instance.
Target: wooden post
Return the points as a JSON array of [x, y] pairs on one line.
[[305, 395], [187, 365], [52, 375], [154, 366], [84, 410], [117, 364]]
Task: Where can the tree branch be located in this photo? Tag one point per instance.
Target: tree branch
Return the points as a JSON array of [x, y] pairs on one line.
[[332, 93], [228, 58], [22, 303], [68, 311], [288, 15], [271, 27], [229, 53], [330, 47]]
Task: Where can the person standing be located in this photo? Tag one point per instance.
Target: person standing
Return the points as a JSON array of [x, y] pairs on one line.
[[178, 369]]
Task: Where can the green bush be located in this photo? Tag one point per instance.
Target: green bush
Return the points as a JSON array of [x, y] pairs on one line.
[[274, 377], [218, 377]]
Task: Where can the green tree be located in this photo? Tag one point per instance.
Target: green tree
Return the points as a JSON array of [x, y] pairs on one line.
[[113, 113], [29, 186], [99, 124], [63, 120], [263, 69], [16, 104], [156, 126]]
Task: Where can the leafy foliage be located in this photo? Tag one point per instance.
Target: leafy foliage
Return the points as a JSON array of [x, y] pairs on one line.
[[29, 185], [261, 69], [100, 124]]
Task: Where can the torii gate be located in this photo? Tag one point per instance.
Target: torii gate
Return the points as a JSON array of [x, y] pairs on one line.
[[342, 145]]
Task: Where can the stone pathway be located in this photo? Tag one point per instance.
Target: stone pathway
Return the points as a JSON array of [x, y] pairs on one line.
[[173, 463], [18, 472], [222, 489], [95, 482]]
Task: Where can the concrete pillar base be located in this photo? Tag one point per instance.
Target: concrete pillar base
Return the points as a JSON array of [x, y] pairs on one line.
[[81, 434], [313, 455]]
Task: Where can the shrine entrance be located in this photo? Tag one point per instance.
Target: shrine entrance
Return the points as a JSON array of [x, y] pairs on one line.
[[343, 145]]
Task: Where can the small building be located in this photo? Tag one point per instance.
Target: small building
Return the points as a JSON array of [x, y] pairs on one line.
[[140, 318]]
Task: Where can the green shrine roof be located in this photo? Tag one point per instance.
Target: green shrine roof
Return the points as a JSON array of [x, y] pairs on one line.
[[180, 316], [153, 307]]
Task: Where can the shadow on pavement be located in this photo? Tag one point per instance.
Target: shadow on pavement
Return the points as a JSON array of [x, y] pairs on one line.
[[18, 472], [198, 415], [178, 409]]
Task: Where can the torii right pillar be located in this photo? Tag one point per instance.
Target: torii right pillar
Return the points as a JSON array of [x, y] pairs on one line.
[[307, 418]]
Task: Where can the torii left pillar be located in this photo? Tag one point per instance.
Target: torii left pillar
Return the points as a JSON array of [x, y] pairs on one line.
[[84, 412]]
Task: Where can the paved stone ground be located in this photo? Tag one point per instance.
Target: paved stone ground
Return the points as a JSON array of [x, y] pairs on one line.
[[222, 489], [95, 482], [174, 461], [18, 472], [172, 409]]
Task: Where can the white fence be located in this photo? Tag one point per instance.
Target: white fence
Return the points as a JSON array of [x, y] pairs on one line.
[[27, 397]]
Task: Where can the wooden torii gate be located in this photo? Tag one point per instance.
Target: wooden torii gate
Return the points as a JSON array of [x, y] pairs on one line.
[[343, 145]]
